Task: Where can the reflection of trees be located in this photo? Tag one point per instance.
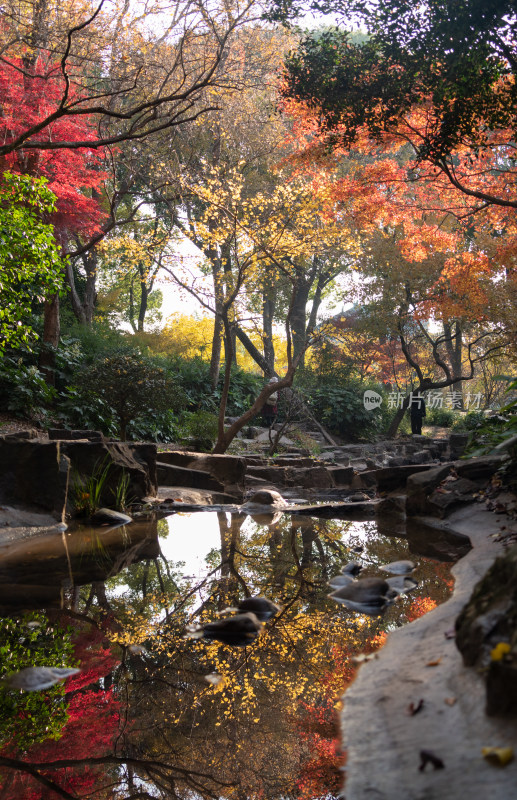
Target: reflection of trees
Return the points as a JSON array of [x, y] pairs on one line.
[[238, 736]]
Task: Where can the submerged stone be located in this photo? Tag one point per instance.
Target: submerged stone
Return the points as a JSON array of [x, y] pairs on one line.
[[402, 567], [368, 595]]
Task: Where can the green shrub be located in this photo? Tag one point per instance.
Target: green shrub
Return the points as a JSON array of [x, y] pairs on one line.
[[155, 426], [469, 421], [198, 429], [23, 389], [341, 410], [441, 417], [131, 386]]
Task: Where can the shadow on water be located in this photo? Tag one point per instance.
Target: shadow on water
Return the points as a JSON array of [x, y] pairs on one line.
[[153, 714]]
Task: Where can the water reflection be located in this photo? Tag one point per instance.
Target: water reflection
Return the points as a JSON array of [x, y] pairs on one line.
[[154, 714]]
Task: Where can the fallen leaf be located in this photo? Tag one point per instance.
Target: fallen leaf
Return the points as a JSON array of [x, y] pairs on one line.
[[413, 709], [499, 651], [434, 663], [450, 634], [500, 756], [450, 700], [427, 757]]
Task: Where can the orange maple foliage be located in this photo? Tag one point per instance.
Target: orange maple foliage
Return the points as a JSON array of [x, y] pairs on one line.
[[377, 186]]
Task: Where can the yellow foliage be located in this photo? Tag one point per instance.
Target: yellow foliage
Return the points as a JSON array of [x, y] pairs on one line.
[[186, 336]]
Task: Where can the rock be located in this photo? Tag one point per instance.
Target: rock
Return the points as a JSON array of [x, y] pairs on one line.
[[421, 457], [33, 473], [41, 473], [420, 485], [457, 444], [292, 461], [402, 567], [435, 541], [284, 441], [173, 475], [312, 478], [489, 619], [481, 468], [392, 504], [238, 631], [269, 473], [341, 476], [230, 471], [107, 516], [358, 497], [447, 497], [368, 596], [490, 616], [137, 461], [266, 497], [66, 434], [29, 433], [396, 461], [263, 608]]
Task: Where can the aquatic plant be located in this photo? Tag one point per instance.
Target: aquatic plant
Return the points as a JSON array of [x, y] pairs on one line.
[[87, 491]]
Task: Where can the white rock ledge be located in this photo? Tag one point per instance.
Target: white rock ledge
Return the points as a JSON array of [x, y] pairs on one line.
[[383, 741]]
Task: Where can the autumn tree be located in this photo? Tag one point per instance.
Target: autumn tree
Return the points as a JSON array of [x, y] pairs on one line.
[[440, 76], [130, 265], [280, 232], [133, 74]]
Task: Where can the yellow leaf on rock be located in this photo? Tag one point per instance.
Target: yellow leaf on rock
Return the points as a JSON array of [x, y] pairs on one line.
[[500, 756], [499, 651]]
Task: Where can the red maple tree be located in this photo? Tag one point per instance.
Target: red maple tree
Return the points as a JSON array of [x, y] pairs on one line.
[[73, 175]]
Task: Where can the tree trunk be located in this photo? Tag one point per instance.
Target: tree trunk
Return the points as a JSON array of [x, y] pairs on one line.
[[268, 310], [77, 306], [298, 318], [397, 419], [217, 339], [254, 352], [84, 309], [142, 310], [50, 342], [454, 347], [215, 358]]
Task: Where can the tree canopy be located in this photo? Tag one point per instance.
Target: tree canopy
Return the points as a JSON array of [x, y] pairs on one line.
[[452, 62]]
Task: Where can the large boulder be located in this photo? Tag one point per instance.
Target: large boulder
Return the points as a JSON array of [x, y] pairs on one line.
[[136, 461], [486, 633], [173, 475], [33, 473], [266, 497], [420, 485], [228, 471], [46, 474], [440, 490], [68, 434]]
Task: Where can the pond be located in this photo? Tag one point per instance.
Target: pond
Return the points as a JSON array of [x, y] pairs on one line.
[[154, 713]]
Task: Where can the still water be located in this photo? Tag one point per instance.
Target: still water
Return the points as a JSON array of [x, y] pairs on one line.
[[153, 714]]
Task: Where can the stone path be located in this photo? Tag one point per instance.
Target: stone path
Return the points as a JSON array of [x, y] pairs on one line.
[[383, 740]]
